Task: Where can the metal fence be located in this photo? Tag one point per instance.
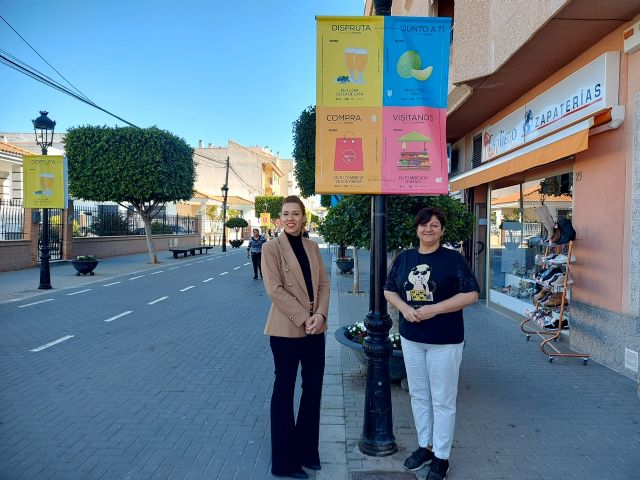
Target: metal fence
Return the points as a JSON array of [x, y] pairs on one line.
[[108, 220], [11, 220]]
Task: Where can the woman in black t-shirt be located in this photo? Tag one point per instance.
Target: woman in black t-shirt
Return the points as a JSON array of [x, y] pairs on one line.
[[430, 286]]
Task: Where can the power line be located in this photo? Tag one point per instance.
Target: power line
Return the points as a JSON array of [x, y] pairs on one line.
[[28, 70], [45, 61]]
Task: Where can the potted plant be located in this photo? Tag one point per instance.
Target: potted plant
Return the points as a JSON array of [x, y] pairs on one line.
[[85, 264], [345, 264], [236, 223], [353, 337]]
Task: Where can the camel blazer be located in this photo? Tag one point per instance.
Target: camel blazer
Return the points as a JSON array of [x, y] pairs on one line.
[[285, 285]]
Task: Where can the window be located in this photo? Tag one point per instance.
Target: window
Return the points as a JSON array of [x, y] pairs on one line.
[[476, 159]]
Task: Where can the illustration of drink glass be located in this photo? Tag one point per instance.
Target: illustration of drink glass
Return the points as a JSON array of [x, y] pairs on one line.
[[350, 62], [361, 55], [46, 183]]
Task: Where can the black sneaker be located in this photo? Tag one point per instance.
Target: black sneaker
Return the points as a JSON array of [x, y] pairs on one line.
[[438, 469], [418, 459]]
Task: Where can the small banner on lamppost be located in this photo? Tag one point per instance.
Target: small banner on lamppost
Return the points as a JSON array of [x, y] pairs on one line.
[[45, 180], [265, 219], [381, 105]]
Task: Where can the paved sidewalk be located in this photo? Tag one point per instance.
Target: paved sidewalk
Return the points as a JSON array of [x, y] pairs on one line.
[[519, 416]]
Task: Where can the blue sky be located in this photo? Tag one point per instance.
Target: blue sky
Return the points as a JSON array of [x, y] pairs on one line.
[[202, 69]]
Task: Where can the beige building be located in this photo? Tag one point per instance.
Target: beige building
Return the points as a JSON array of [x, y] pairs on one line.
[[544, 109]]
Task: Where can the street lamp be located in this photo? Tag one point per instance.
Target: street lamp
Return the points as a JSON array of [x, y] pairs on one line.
[[43, 127], [225, 191], [377, 427]]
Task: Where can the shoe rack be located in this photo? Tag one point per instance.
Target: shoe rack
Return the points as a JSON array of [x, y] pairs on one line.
[[549, 336]]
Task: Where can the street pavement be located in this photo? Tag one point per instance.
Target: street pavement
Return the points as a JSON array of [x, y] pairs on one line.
[[180, 389]]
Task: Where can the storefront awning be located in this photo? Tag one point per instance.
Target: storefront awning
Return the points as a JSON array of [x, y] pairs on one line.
[[561, 144]]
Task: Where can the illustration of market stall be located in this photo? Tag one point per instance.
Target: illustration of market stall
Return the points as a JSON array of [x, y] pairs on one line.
[[412, 156]]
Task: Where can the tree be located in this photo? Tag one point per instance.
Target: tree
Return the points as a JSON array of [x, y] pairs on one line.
[[268, 204], [237, 223], [140, 169], [304, 151]]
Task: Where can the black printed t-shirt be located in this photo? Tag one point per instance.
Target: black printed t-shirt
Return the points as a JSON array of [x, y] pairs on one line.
[[428, 278]]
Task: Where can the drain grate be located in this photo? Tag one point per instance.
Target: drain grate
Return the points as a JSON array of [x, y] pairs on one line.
[[383, 476]]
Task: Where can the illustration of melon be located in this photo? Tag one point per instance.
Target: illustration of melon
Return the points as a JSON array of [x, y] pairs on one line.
[[408, 61], [422, 74]]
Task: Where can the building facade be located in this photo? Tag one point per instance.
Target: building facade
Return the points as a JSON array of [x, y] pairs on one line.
[[544, 110]]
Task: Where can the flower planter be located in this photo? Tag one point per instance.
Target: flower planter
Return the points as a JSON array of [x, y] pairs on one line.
[[85, 267], [236, 243], [345, 266], [396, 362]]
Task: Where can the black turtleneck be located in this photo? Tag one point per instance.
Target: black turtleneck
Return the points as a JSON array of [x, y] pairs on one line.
[[303, 260]]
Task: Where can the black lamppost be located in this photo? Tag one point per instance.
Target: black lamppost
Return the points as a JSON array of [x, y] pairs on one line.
[[225, 191], [377, 429], [43, 127]]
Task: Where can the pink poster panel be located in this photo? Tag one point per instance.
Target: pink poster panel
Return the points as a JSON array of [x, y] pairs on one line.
[[414, 156]]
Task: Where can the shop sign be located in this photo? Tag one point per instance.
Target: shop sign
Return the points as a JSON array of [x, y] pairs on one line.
[[582, 94]]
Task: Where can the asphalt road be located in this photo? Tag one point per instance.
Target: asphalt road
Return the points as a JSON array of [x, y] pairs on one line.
[[161, 374]]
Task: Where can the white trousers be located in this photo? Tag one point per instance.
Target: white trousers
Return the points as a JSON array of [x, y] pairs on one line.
[[432, 374]]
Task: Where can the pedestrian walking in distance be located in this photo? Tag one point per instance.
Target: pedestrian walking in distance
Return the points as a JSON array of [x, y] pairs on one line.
[[297, 283], [255, 251], [430, 285]]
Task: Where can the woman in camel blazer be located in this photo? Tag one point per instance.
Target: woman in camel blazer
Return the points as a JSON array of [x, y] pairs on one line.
[[297, 283]]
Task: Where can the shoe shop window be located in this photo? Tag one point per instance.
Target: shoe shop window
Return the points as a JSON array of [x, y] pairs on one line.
[[521, 222]]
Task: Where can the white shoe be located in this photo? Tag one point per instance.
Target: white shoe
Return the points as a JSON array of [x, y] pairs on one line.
[[562, 259]]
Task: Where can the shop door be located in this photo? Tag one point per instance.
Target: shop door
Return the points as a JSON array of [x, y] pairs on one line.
[[479, 249]]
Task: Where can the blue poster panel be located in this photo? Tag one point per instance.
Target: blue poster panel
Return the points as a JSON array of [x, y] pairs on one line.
[[416, 61]]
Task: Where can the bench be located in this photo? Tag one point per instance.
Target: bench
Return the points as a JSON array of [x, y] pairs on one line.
[[188, 250]]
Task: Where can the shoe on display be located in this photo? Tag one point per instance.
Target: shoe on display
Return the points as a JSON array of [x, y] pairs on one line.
[[554, 324], [418, 459], [554, 300], [559, 282], [438, 469], [562, 259]]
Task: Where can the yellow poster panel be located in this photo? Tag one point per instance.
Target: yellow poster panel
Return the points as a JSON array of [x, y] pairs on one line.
[[348, 152], [349, 56], [45, 181], [265, 219]]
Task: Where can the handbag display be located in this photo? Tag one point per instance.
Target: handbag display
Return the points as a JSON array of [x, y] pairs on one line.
[[348, 154]]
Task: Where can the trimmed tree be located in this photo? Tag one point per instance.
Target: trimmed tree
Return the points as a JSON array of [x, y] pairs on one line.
[[268, 204], [304, 151], [236, 223], [138, 168]]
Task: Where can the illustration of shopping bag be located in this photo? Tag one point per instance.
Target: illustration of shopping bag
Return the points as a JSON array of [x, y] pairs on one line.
[[349, 156]]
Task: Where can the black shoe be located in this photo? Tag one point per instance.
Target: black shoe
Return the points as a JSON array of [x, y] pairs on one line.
[[255, 278], [438, 469], [312, 466], [418, 459], [299, 474]]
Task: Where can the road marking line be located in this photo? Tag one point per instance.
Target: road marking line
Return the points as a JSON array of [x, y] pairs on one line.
[[112, 283], [51, 344], [187, 264], [187, 288], [139, 276], [118, 316], [200, 261], [207, 280], [155, 273], [173, 268], [157, 300], [35, 303], [248, 263], [236, 268], [224, 273], [80, 291]]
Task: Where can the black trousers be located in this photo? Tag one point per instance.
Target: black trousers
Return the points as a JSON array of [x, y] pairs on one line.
[[256, 258], [295, 441]]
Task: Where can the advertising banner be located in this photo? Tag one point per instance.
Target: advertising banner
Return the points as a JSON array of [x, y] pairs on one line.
[[265, 219], [381, 105], [45, 181]]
